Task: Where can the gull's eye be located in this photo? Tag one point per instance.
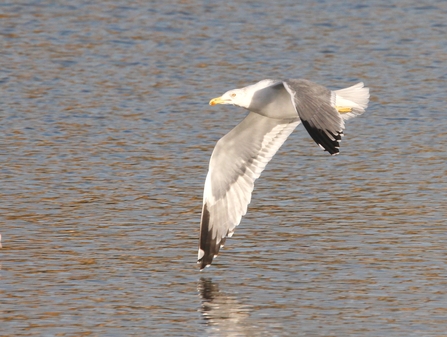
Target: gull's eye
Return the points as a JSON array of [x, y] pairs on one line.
[[233, 95]]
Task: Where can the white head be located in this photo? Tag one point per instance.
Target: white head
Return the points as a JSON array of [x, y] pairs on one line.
[[242, 97]]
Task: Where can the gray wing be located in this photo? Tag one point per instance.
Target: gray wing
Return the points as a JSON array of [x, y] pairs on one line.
[[320, 118], [237, 161]]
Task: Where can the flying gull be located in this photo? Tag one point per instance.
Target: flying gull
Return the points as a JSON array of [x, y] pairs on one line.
[[275, 109]]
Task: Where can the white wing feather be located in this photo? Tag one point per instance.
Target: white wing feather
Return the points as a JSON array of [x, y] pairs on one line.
[[237, 161]]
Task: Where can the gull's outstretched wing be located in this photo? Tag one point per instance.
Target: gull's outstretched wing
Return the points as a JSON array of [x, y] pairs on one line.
[[323, 112], [313, 104], [237, 161]]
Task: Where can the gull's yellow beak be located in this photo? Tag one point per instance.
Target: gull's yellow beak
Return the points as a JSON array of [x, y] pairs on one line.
[[217, 100]]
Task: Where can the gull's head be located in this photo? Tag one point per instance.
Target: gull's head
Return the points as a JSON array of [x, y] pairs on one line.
[[242, 97], [236, 97]]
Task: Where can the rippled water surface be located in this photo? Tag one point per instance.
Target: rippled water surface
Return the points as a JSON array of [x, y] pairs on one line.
[[105, 138]]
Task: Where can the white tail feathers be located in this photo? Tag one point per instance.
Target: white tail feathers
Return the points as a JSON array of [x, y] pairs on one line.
[[352, 101]]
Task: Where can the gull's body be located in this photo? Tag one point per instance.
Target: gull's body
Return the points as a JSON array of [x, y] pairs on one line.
[[276, 108]]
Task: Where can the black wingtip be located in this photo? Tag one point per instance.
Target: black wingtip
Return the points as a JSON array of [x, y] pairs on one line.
[[322, 138], [207, 244]]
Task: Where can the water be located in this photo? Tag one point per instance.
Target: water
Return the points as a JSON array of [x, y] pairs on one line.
[[106, 135]]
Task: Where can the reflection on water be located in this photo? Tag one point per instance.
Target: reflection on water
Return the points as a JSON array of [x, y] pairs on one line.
[[223, 313]]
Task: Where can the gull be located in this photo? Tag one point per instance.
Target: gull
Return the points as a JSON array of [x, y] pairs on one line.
[[276, 107]]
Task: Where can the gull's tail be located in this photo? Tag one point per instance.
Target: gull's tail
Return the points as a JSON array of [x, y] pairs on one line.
[[351, 102]]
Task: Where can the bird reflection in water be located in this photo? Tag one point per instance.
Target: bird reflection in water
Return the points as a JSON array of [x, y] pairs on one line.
[[223, 313]]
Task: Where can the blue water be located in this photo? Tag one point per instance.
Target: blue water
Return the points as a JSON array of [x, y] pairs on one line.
[[106, 135]]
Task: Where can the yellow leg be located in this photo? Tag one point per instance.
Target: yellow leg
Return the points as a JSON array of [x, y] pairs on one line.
[[343, 109]]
